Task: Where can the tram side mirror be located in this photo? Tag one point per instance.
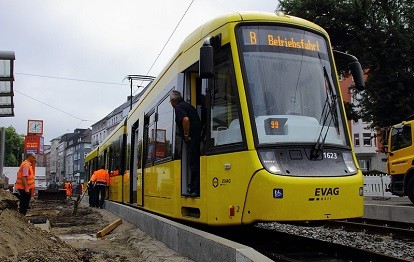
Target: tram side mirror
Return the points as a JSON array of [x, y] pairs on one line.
[[358, 75], [355, 67], [206, 69]]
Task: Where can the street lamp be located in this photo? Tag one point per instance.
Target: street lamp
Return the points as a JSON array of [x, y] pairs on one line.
[[138, 77]]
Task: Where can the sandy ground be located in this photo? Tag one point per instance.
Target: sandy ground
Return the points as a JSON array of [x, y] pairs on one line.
[[72, 237]]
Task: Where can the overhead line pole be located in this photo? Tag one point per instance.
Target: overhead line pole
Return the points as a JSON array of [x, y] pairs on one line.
[[137, 77]]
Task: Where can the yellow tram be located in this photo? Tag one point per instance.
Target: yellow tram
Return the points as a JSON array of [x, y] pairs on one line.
[[275, 144]]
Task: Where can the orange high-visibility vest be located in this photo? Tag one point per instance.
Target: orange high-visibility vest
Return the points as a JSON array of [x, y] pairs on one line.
[[68, 187], [100, 177], [30, 179]]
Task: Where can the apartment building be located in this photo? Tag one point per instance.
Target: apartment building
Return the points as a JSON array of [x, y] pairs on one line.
[[102, 128], [79, 145], [366, 143], [66, 156]]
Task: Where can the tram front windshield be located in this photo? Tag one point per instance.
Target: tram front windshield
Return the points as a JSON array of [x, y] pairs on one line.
[[288, 79]]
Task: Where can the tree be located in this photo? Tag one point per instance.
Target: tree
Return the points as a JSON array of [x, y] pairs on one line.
[[379, 33], [14, 146]]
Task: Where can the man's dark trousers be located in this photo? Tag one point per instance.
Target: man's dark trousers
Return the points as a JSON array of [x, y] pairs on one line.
[[99, 195], [193, 152], [24, 201]]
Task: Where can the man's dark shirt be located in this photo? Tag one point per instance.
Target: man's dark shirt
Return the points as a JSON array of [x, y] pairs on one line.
[[184, 109]]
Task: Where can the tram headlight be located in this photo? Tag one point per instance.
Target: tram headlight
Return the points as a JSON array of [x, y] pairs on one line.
[[349, 162], [268, 159]]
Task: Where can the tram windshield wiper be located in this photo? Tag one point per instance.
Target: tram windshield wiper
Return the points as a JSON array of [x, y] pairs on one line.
[[328, 112]]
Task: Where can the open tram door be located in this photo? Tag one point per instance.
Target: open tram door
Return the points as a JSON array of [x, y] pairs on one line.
[[135, 179], [193, 95]]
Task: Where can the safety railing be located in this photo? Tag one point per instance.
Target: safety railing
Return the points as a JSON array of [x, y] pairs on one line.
[[376, 185]]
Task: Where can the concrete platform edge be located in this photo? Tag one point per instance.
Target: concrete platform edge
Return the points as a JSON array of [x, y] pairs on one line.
[[389, 212], [192, 243]]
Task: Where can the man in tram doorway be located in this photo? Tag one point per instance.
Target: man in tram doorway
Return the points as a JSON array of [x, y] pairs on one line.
[[189, 128], [100, 180]]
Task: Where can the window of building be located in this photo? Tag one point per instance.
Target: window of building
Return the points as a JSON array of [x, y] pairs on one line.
[[356, 139], [367, 139], [364, 164]]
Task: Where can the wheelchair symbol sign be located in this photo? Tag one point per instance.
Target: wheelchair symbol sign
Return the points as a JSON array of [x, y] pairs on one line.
[[278, 193]]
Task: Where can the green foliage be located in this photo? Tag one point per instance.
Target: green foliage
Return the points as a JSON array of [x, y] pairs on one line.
[[379, 33], [351, 114], [13, 148]]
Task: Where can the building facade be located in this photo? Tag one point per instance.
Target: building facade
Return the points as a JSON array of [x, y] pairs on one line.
[[366, 143], [79, 145], [54, 143], [102, 128]]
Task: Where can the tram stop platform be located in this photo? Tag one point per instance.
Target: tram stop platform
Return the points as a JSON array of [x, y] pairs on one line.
[[192, 243], [398, 209]]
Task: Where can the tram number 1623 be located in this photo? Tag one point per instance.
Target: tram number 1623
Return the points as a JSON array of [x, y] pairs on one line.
[[330, 155]]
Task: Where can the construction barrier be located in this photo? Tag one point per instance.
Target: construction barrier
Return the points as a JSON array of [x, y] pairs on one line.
[[376, 185]]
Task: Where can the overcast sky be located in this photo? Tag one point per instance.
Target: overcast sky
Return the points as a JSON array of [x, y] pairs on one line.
[[100, 41]]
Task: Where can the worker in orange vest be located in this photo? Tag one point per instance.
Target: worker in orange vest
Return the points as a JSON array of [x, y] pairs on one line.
[[25, 182], [68, 188], [100, 180]]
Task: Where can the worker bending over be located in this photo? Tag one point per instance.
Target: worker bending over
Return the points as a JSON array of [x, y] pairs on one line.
[[100, 180]]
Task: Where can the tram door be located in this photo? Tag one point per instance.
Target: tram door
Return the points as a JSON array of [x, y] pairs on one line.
[[192, 95], [135, 169]]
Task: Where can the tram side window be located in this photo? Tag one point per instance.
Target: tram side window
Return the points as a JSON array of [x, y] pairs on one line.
[[115, 157], [224, 117], [150, 139], [139, 147], [101, 160], [163, 135]]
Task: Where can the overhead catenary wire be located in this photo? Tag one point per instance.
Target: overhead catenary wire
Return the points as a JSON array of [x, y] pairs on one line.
[[60, 110], [71, 79], [168, 40], [99, 82]]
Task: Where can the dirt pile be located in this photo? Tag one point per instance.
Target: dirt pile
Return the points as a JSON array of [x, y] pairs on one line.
[[73, 236], [8, 200], [22, 241]]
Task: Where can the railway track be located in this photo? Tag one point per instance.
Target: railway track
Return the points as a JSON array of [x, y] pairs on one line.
[[397, 230], [282, 246]]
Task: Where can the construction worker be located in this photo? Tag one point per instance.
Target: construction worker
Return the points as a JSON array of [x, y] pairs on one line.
[[68, 188], [91, 193], [100, 180], [25, 182]]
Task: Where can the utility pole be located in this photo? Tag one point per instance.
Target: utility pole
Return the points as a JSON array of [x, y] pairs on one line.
[[2, 142]]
